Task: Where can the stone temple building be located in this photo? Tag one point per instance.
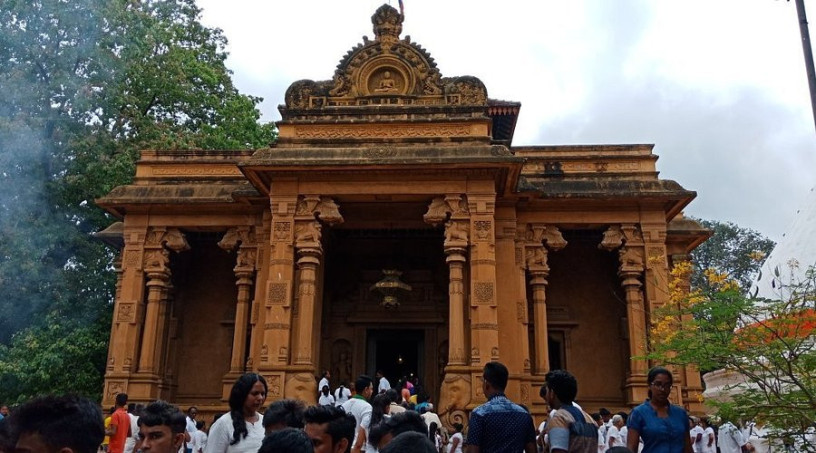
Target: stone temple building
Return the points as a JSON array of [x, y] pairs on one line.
[[394, 226]]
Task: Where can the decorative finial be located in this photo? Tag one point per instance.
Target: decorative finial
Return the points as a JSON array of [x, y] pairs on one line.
[[387, 23]]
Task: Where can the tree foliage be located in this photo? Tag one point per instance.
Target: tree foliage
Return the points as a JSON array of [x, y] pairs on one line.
[[86, 84], [732, 250], [768, 343]]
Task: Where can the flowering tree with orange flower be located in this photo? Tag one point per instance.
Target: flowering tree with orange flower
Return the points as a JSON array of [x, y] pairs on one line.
[[769, 344]]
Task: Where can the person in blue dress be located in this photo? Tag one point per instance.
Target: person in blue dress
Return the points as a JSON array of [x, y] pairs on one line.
[[663, 426]]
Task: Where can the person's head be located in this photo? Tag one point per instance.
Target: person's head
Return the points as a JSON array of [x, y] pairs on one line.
[[624, 416], [560, 387], [121, 400], [200, 425], [192, 412], [325, 390], [378, 374], [432, 429], [282, 414], [397, 424], [458, 427], [617, 421], [409, 442], [660, 382], [393, 396], [248, 394], [326, 374], [246, 398], [161, 428], [363, 386], [605, 414], [65, 424], [287, 440], [330, 429], [597, 418], [495, 378], [705, 422], [4, 410], [380, 406]]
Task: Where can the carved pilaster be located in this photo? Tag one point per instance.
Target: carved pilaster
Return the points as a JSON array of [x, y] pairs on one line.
[[484, 330]]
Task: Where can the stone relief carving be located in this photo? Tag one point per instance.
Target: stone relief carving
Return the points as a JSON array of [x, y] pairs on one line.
[[301, 386], [631, 259], [612, 238], [456, 234], [454, 395], [536, 258], [341, 361], [441, 209], [308, 234], [483, 292], [323, 208]]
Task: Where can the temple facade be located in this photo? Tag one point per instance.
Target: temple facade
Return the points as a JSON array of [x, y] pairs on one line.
[[393, 226]]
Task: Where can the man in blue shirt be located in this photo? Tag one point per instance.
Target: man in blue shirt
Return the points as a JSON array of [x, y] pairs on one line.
[[499, 425]]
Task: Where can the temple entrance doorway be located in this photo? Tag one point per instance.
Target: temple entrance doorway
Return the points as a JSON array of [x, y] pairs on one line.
[[396, 352]]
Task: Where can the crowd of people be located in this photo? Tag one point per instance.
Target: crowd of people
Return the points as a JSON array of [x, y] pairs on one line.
[[370, 417]]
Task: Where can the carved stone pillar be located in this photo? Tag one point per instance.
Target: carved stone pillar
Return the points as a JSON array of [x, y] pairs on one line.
[[455, 395], [312, 212], [451, 211], [628, 240], [157, 259], [244, 273], [540, 238]]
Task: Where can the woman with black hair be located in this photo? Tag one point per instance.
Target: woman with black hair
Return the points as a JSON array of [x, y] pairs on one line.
[[242, 431], [380, 412], [663, 426]]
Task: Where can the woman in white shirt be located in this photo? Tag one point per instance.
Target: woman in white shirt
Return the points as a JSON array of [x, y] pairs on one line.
[[326, 398], [240, 431]]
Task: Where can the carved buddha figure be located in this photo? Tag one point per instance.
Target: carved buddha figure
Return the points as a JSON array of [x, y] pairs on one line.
[[387, 84]]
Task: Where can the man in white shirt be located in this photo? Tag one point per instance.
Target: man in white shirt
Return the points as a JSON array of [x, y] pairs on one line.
[[730, 439], [133, 413], [382, 382], [359, 407]]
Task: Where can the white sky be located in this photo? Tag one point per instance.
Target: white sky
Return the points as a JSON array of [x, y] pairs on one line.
[[718, 85]]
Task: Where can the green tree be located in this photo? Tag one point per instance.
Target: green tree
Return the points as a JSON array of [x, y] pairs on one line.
[[767, 343], [86, 84], [738, 252]]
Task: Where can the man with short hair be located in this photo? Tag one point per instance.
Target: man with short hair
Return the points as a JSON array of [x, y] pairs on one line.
[[499, 425], [330, 428], [119, 429], [287, 413], [359, 407], [65, 424], [410, 442], [404, 422], [569, 429], [192, 412], [161, 428], [382, 382], [286, 440]]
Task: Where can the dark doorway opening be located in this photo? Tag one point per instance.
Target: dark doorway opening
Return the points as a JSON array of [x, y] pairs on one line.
[[396, 353]]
